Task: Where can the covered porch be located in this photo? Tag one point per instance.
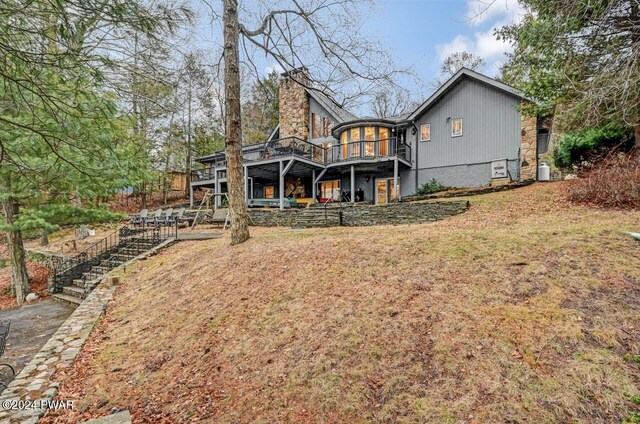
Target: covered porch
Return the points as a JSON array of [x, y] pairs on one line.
[[272, 182]]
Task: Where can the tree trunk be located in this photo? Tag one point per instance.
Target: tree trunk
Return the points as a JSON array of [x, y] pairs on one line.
[[189, 148], [44, 239], [233, 125], [17, 257], [637, 135]]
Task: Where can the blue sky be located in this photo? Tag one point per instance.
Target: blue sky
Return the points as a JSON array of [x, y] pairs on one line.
[[418, 33], [424, 32]]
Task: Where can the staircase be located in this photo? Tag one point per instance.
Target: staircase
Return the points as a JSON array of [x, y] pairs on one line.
[[318, 217], [75, 278]]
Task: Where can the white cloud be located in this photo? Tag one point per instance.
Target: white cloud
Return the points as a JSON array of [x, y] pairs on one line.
[[479, 11], [486, 16], [275, 67]]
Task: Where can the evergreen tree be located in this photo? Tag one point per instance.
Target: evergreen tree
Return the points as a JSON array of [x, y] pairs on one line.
[[62, 142], [579, 59]]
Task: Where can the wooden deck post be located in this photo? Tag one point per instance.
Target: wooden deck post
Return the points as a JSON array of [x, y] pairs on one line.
[[395, 179], [190, 196], [246, 184], [314, 186], [281, 191], [353, 184]]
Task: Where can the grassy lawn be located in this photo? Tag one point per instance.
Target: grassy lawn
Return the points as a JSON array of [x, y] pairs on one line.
[[523, 310]]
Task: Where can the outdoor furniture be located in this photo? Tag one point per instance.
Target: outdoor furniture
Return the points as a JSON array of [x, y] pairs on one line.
[[168, 217], [157, 217], [141, 219], [4, 333], [179, 217], [221, 217], [271, 203]]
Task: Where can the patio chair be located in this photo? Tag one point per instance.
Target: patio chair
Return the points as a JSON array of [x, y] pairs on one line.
[[157, 217], [4, 333], [168, 217], [141, 219]]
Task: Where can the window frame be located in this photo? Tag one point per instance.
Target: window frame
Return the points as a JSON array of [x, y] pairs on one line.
[[334, 189], [429, 131], [461, 127]]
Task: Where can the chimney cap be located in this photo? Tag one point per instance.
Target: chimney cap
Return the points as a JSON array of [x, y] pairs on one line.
[[295, 71]]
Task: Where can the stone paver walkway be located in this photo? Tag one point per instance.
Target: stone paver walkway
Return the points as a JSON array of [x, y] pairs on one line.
[[31, 327], [34, 384]]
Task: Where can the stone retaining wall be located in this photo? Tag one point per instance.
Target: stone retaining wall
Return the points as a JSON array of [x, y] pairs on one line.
[[45, 259], [359, 216], [402, 213]]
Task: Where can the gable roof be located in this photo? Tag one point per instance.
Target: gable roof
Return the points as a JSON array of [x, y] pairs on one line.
[[464, 73], [330, 106]]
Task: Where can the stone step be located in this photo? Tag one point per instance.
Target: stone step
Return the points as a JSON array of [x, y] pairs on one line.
[[78, 283], [74, 291], [100, 269], [65, 298]]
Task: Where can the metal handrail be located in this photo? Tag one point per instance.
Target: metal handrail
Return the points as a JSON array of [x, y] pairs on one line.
[[125, 237]]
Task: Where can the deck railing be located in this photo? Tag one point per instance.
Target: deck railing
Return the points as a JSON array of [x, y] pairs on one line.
[[202, 175], [368, 149], [291, 146]]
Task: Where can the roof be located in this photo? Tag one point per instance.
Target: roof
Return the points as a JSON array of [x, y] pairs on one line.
[[332, 107], [464, 73], [390, 122]]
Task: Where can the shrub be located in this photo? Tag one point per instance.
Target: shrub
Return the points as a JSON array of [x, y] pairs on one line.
[[615, 182], [587, 144], [432, 186]]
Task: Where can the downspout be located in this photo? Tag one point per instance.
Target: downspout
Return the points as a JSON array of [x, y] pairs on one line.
[[537, 147], [413, 124]]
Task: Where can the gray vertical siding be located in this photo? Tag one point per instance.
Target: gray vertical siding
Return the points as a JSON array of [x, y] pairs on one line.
[[315, 107], [490, 128]]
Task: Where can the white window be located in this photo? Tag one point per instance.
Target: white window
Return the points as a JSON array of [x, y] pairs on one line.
[[456, 127], [425, 132]]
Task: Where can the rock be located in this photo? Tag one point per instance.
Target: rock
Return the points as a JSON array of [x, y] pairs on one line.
[[31, 297]]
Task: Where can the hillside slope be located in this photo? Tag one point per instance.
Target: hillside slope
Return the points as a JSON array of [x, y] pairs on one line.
[[524, 309]]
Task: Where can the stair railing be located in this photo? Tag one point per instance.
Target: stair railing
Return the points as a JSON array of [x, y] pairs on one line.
[[137, 239]]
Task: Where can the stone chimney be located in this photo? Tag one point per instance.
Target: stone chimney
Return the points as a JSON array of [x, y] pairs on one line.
[[294, 105]]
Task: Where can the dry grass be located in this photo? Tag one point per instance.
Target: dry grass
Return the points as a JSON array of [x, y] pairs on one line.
[[521, 310]]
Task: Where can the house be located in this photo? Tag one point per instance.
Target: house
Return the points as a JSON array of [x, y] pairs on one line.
[[470, 132]]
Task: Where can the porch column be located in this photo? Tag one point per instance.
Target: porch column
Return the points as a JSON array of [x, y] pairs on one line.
[[353, 184], [281, 191], [190, 196], [395, 178], [314, 186], [215, 186]]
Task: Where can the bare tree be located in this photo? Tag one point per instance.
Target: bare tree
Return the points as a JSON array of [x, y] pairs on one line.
[[453, 63], [391, 101], [317, 35]]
